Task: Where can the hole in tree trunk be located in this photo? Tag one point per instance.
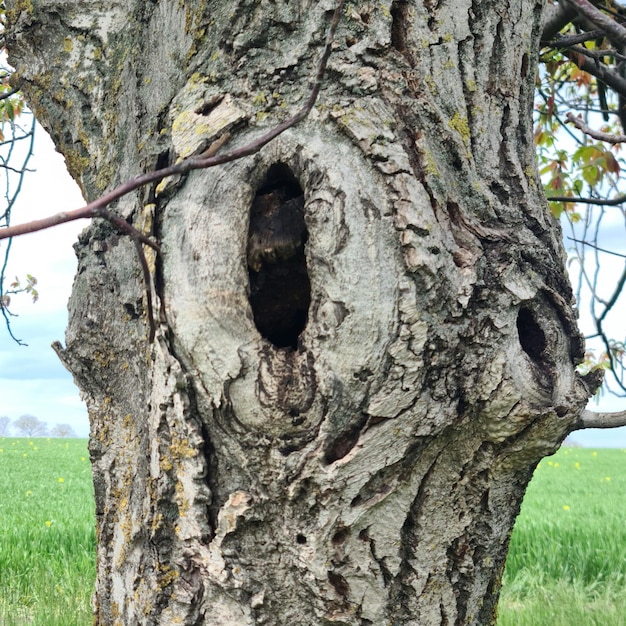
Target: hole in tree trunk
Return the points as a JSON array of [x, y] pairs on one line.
[[399, 15], [280, 291], [531, 337]]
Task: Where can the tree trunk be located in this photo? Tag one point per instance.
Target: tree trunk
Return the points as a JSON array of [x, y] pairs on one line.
[[365, 335]]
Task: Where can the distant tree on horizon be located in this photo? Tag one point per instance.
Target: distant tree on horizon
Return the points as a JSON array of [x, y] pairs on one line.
[[5, 426], [63, 431], [30, 426]]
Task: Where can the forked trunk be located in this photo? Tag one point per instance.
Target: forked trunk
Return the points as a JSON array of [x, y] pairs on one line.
[[365, 339]]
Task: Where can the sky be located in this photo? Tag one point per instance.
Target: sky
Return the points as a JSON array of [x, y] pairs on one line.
[[32, 379]]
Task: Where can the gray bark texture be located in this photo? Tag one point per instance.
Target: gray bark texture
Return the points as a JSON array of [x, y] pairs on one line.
[[367, 466]]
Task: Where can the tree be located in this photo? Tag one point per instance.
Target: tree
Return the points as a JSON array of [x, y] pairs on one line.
[[5, 426], [62, 430], [357, 344], [30, 426]]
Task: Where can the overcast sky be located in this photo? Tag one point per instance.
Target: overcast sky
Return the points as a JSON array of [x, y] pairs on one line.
[[32, 379]]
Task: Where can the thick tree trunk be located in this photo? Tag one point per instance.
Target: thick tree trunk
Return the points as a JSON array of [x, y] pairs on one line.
[[334, 434]]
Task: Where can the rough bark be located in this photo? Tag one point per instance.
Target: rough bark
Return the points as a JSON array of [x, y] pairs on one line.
[[370, 469]]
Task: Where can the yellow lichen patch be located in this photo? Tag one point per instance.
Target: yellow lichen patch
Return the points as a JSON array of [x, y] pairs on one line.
[[192, 132], [128, 422], [180, 449], [460, 124], [126, 526], [531, 173], [431, 166], [166, 575], [68, 45], [431, 84], [75, 163], [103, 433], [102, 359], [181, 501], [25, 6], [157, 522], [259, 99]]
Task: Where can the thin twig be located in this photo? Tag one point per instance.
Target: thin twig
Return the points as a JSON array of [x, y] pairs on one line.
[[566, 41], [597, 55], [596, 201], [591, 245]]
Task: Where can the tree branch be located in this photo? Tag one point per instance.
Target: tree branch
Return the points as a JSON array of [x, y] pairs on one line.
[[596, 201], [614, 31], [591, 419], [598, 248], [597, 55], [596, 134], [8, 94], [567, 41], [556, 17], [612, 79]]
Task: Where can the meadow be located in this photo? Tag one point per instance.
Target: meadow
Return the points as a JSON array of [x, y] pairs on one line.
[[566, 567], [47, 536], [567, 562]]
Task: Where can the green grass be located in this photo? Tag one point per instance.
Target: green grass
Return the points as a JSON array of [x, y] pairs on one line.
[[567, 562], [47, 537], [566, 567]]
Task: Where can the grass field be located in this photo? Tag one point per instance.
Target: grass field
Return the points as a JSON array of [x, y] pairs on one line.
[[567, 565], [47, 537]]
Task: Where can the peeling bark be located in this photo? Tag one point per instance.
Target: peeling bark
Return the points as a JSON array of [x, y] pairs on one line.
[[369, 471]]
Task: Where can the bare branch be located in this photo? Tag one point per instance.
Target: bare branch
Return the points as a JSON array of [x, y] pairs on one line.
[[566, 41], [597, 55], [610, 78], [591, 419], [596, 134], [616, 32], [598, 248], [596, 201], [8, 94]]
